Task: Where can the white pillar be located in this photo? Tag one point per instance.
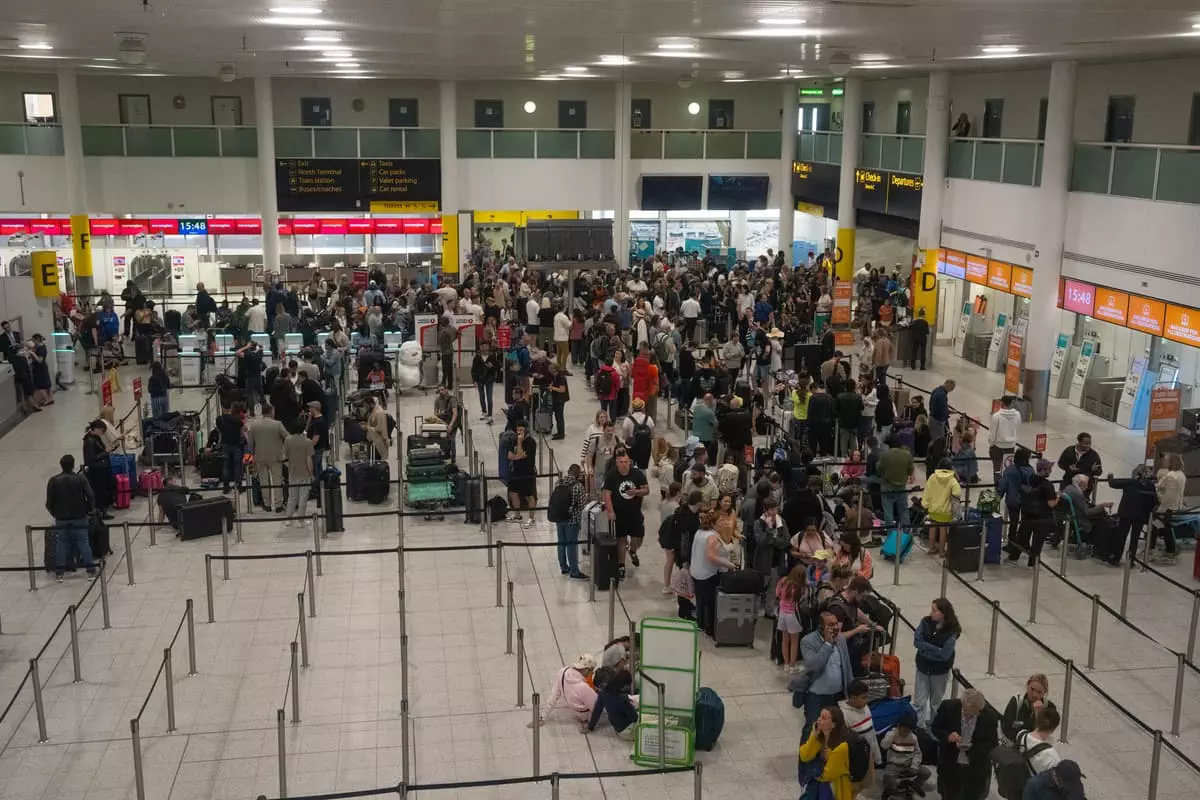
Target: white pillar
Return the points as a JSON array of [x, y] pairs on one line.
[[448, 108], [268, 202], [622, 183], [929, 235], [72, 135], [847, 218], [738, 233], [1052, 216], [787, 154]]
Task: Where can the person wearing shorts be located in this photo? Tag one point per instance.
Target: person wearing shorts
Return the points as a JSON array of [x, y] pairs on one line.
[[624, 488], [522, 472], [789, 590]]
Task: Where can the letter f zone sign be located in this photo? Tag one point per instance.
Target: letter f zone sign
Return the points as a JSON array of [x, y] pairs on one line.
[[44, 269]]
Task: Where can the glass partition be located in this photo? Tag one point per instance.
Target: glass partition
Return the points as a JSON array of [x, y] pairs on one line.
[[1015, 161]]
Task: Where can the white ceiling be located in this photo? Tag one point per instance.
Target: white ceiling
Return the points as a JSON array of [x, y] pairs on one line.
[[482, 39]]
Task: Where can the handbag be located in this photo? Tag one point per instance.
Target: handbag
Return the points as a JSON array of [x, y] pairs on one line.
[[681, 583]]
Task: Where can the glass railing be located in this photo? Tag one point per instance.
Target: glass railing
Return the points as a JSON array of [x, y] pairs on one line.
[[895, 152], [662, 144], [1016, 161], [21, 139], [535, 143], [1145, 171], [822, 147], [187, 141]]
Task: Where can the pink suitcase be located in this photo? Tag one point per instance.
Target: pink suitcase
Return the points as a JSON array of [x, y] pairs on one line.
[[150, 479], [122, 499]]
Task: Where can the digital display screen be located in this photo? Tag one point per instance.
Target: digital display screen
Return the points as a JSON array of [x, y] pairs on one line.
[[193, 227], [738, 192], [352, 184], [1079, 297], [672, 192]]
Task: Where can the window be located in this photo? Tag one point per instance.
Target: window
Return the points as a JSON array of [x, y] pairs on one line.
[[639, 113], [903, 117], [720, 114], [134, 109], [572, 113], [993, 115], [40, 108], [1194, 125], [316, 112], [1118, 125], [226, 111], [868, 117], [489, 114], [1043, 109], [403, 112]]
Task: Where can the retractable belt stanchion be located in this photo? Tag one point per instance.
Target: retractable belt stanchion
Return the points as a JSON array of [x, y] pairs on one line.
[[208, 584], [38, 705], [29, 553], [150, 513], [1177, 710], [1033, 594], [508, 647], [1155, 762], [74, 622], [225, 551], [521, 668], [1091, 655], [499, 574], [281, 744], [128, 552], [169, 685], [991, 665], [191, 632], [1064, 725], [1191, 644], [135, 736], [303, 627], [102, 568]]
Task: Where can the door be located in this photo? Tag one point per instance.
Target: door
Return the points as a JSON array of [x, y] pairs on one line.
[[226, 112], [572, 113], [639, 113], [1043, 109], [868, 117], [134, 109], [316, 112], [489, 114], [1194, 125], [903, 117], [402, 112], [1118, 125], [720, 114], [993, 114]]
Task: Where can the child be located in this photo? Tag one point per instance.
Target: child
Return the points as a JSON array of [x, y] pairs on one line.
[[966, 464], [788, 621], [858, 719], [614, 696], [854, 468], [376, 378], [904, 774]]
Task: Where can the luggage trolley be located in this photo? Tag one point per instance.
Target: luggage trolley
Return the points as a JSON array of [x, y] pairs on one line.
[[429, 484]]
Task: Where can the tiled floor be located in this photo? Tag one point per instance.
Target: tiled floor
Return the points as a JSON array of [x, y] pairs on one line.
[[466, 724]]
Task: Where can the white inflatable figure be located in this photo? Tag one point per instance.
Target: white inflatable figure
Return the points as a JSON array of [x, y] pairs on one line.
[[408, 373]]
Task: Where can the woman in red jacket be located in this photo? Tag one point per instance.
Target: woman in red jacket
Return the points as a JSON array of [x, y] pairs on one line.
[[608, 387]]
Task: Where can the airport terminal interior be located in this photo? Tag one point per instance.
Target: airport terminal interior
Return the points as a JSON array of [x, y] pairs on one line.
[[1020, 183]]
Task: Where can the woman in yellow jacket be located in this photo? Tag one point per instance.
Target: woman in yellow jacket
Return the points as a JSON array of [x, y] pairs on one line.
[[800, 396], [825, 759], [941, 490]]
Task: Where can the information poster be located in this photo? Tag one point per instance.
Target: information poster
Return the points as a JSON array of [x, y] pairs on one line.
[[977, 269], [842, 295], [177, 265], [350, 184], [1129, 393], [1012, 364], [1022, 281], [120, 270], [1164, 416]]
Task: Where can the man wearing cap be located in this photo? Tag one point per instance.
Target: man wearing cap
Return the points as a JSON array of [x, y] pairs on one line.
[[1038, 501], [1063, 781]]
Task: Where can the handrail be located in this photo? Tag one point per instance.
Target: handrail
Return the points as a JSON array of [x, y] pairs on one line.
[[883, 134], [1139, 145]]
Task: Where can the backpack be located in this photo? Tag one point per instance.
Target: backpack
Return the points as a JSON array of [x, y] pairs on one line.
[[642, 438], [860, 756], [1013, 769], [727, 478], [604, 382], [662, 347], [666, 528], [559, 507]]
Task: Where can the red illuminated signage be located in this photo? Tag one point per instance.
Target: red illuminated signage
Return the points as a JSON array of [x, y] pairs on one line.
[[1079, 297], [360, 225], [105, 227], [285, 227], [333, 227], [249, 225], [170, 226], [218, 226], [132, 227], [306, 226], [47, 227]]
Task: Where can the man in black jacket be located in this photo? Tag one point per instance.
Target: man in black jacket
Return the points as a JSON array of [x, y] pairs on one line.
[[69, 499], [735, 429], [967, 731], [1080, 460], [849, 412]]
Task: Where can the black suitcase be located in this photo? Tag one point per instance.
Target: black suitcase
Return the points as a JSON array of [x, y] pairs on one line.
[[474, 501], [50, 555], [210, 466], [98, 538], [426, 455], [356, 480], [331, 483], [378, 483], [442, 443], [741, 581], [962, 547], [205, 517], [143, 349], [606, 565]]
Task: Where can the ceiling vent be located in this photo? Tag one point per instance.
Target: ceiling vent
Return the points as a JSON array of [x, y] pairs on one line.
[[839, 64], [227, 73], [131, 49]]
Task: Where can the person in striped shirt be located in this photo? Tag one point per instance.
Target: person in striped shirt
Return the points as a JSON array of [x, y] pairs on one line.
[[858, 717], [904, 774]]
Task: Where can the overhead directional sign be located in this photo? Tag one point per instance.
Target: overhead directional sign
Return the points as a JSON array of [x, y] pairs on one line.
[[353, 184]]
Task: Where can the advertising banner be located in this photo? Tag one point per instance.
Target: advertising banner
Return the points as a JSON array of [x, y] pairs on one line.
[[843, 291], [1164, 415]]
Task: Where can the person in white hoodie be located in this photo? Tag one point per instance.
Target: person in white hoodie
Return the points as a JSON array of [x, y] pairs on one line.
[[1002, 436]]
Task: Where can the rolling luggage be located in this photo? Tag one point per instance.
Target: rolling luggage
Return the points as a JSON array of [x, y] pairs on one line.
[[741, 581], [883, 673], [50, 554], [442, 443], [122, 497], [599, 529], [210, 466], [963, 547], [150, 479], [474, 500], [143, 349], [736, 615], [123, 464], [356, 479], [888, 551], [427, 474], [201, 518], [98, 537], [995, 538], [605, 567], [331, 484], [378, 483], [429, 454], [710, 718]]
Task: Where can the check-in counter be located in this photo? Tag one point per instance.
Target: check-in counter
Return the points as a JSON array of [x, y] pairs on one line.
[[976, 348], [1102, 397]]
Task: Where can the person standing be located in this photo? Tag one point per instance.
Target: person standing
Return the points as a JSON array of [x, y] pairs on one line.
[[206, 307], [298, 450], [522, 472], [265, 437], [941, 490], [485, 368], [881, 356], [1002, 435], [623, 490], [1080, 459], [895, 467], [98, 467], [966, 731], [230, 429], [562, 337], [939, 410], [709, 558], [849, 412], [1038, 501], [250, 367], [934, 640], [568, 529], [919, 338], [704, 425], [1170, 487], [158, 386], [283, 324], [318, 431], [828, 670], [69, 500]]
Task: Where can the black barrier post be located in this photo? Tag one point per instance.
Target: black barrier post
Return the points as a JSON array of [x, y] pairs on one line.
[[208, 583]]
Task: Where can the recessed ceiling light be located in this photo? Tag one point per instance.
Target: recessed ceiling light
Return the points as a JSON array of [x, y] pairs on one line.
[[877, 65], [873, 57], [780, 21], [32, 55], [611, 59], [102, 66], [322, 37], [337, 54], [548, 78], [678, 45], [347, 65], [103, 59], [773, 32], [296, 11], [1000, 49], [1196, 26], [530, 106], [36, 46], [575, 69], [693, 108], [298, 21], [729, 76], [150, 75]]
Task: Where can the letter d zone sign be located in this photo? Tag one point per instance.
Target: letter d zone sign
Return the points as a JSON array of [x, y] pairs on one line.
[[44, 268]]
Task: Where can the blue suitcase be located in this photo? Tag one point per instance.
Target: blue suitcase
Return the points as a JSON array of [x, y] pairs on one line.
[[888, 551], [710, 718], [124, 464], [995, 540]]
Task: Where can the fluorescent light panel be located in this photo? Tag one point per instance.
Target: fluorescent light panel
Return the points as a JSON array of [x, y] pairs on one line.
[[1000, 49], [296, 11], [323, 37], [36, 46], [780, 21]]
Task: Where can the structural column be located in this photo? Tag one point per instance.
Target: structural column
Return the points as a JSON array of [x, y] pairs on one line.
[[268, 201], [851, 133], [622, 184], [72, 134], [738, 232], [929, 234], [452, 243], [789, 125], [1052, 216]]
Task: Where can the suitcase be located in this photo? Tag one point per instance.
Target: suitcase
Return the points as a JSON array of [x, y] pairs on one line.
[[356, 477], [605, 565], [427, 455], [122, 498], [474, 501], [736, 616], [205, 517], [377, 483], [995, 539], [98, 538], [741, 581], [888, 551], [123, 464], [331, 483], [710, 718], [599, 530], [883, 672], [150, 479], [210, 466], [50, 554], [417, 442], [143, 349], [963, 547], [427, 474]]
